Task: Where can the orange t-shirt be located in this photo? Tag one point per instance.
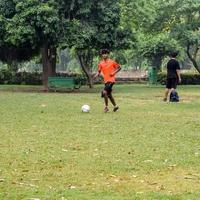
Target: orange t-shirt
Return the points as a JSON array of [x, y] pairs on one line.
[[106, 67]]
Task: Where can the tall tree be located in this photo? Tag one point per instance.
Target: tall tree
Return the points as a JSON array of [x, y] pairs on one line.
[[188, 30], [11, 50], [99, 24], [153, 41], [181, 19], [29, 26]]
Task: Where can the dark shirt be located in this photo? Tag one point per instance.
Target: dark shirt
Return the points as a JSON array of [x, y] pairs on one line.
[[172, 66]]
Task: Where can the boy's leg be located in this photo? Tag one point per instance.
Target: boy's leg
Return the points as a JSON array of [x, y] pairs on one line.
[[168, 88], [105, 96], [166, 94], [174, 85], [113, 102], [112, 99]]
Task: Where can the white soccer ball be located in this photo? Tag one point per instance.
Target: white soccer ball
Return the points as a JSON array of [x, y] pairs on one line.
[[85, 108]]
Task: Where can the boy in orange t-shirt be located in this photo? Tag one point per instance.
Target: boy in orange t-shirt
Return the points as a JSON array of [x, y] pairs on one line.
[[108, 68]]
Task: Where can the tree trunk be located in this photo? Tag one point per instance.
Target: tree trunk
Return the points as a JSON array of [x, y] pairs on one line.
[[157, 62], [192, 57], [49, 63], [86, 60], [11, 60], [53, 58]]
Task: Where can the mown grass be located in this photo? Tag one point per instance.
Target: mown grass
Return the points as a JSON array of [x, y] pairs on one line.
[[148, 150]]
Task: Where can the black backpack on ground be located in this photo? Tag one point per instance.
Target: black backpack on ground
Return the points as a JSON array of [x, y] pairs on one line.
[[174, 96]]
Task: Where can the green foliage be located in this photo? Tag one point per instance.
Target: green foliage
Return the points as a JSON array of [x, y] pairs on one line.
[[153, 41], [157, 44], [138, 14], [162, 26], [99, 25], [7, 8], [33, 78], [5, 76], [41, 18], [31, 24], [2, 29], [148, 29], [182, 19], [24, 78]]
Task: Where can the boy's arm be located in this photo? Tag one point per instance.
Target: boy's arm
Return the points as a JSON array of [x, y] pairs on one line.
[[178, 71], [116, 71], [97, 74]]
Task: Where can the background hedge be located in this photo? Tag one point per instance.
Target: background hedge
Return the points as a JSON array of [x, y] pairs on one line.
[[35, 78], [28, 78], [186, 78]]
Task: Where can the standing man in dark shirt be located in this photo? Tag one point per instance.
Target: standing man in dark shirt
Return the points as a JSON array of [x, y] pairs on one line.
[[173, 75]]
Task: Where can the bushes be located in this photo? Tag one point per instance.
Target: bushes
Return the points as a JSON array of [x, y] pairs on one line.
[[186, 78], [34, 78], [5, 76], [20, 78]]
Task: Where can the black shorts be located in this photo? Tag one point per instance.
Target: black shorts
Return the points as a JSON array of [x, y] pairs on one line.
[[108, 88], [171, 83]]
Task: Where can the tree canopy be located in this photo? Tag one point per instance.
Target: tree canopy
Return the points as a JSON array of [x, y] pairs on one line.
[[139, 29]]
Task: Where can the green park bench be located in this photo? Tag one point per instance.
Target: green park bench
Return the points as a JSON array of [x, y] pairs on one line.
[[57, 83]]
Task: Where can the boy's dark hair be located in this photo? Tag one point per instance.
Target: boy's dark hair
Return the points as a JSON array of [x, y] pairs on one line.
[[104, 51], [174, 54]]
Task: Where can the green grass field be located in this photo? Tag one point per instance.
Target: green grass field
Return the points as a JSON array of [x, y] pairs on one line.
[[149, 150]]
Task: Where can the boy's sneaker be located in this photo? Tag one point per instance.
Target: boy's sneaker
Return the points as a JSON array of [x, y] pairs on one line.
[[106, 109], [115, 108]]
